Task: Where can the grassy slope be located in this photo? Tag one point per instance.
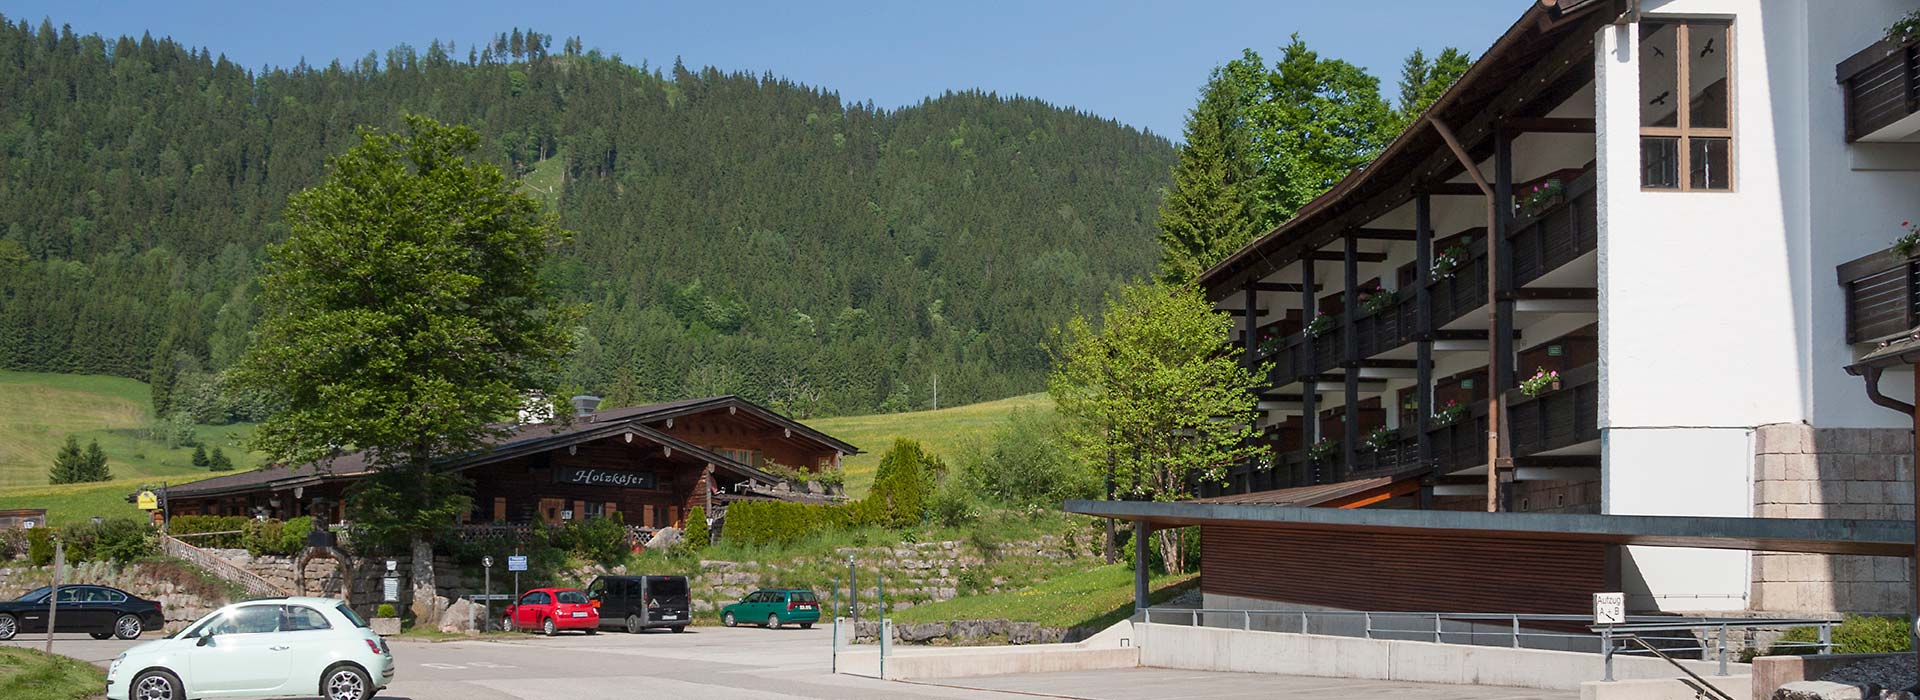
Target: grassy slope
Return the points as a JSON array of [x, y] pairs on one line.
[[1094, 598], [942, 431], [37, 413], [28, 674]]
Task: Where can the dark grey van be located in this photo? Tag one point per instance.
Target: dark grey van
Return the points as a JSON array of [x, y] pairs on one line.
[[634, 603]]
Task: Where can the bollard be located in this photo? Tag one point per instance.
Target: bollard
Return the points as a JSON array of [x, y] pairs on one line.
[[1516, 631]]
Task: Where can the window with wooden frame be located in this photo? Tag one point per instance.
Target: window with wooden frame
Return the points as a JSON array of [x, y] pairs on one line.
[[1686, 105]]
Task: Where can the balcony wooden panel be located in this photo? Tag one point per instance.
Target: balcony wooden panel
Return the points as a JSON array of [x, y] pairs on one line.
[[1556, 418], [1881, 86], [1881, 295], [1558, 234]]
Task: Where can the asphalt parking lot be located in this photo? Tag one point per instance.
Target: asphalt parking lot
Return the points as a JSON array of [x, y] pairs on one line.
[[758, 664]]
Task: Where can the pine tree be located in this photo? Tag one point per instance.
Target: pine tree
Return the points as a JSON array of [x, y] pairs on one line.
[[95, 468], [1211, 210], [219, 462], [68, 464], [200, 456]]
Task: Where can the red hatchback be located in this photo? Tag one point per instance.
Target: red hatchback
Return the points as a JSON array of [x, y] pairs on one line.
[[551, 610]]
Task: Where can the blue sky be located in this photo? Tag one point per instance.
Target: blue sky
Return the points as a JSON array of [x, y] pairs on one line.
[[1141, 63]]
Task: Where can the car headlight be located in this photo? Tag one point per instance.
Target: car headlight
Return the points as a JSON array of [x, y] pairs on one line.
[[115, 666]]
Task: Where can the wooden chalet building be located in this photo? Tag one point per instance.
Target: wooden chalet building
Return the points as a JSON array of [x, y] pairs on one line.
[[649, 464]]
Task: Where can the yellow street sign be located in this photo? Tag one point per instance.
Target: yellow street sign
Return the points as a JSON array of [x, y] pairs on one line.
[[147, 501]]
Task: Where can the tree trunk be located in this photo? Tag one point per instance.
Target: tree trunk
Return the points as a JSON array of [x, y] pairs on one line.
[[426, 607], [1170, 553]]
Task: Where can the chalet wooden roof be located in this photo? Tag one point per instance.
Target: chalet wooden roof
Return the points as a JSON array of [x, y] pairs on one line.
[[1523, 75], [643, 422]]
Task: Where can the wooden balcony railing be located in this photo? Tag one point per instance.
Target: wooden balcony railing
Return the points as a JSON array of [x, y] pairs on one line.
[[1880, 86], [1882, 295], [1556, 418], [1556, 235]]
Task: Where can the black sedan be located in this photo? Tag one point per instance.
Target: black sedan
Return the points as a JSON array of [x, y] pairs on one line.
[[97, 610]]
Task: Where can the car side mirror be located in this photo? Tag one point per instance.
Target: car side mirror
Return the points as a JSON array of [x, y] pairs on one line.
[[206, 640]]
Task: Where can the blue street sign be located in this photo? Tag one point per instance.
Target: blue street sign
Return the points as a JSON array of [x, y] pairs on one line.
[[516, 563]]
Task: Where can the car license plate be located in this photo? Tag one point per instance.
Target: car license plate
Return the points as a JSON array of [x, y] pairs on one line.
[[579, 614], [806, 607], [669, 617]]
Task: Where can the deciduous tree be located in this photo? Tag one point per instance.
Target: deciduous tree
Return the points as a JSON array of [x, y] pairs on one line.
[[405, 315], [1149, 392]]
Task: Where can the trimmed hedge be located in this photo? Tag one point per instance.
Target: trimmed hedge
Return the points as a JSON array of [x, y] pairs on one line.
[[276, 537], [902, 488], [781, 522], [196, 524]]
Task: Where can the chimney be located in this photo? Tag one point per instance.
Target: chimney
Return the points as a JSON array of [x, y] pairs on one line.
[[584, 405]]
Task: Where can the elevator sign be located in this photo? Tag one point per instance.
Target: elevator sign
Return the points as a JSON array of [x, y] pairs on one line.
[[1609, 608]]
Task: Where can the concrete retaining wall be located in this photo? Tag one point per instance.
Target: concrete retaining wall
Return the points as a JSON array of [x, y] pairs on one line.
[[1211, 649], [996, 661]]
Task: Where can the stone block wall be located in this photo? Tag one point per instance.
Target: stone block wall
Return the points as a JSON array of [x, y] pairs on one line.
[[1848, 473]]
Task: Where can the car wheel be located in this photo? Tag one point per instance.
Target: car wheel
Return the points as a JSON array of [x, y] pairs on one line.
[[9, 626], [773, 621], [678, 628], [128, 627], [345, 683], [593, 630], [806, 625], [506, 624], [546, 627], [726, 619], [634, 626], [156, 685]]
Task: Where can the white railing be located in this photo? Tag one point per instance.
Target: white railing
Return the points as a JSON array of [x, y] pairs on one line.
[[1711, 638], [251, 582]]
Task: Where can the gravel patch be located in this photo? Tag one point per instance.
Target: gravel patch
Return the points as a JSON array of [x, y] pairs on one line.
[[1886, 672]]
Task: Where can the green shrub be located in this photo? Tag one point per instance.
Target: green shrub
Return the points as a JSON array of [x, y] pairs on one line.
[[953, 505], [1859, 634], [118, 540], [385, 610], [696, 537], [235, 525], [1026, 463], [40, 546], [602, 540]]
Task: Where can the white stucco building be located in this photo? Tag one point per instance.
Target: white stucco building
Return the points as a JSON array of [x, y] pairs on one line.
[[1679, 191]]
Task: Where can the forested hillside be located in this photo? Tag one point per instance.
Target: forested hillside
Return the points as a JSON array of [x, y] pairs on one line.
[[735, 233]]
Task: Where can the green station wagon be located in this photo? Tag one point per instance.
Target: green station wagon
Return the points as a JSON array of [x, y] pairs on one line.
[[774, 607]]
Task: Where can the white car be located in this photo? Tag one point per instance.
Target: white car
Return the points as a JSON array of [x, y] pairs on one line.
[[259, 648]]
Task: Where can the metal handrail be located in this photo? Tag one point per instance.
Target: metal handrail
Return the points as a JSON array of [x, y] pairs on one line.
[[1635, 627], [1704, 686]]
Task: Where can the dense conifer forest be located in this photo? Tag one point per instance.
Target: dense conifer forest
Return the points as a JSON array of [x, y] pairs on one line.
[[734, 232]]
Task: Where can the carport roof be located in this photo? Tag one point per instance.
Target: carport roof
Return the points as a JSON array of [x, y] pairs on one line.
[[1887, 538]]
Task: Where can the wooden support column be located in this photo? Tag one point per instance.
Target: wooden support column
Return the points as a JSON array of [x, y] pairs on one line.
[[1350, 345], [1250, 336], [1495, 416], [1309, 396], [1501, 272], [1423, 343], [1250, 356]]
